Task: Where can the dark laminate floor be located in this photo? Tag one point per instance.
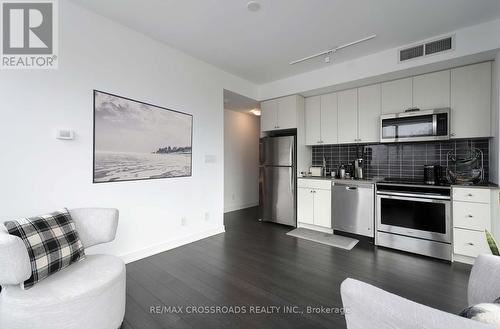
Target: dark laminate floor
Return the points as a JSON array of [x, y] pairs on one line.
[[257, 264]]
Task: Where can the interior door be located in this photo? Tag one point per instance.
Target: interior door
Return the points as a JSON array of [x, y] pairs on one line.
[[278, 195]]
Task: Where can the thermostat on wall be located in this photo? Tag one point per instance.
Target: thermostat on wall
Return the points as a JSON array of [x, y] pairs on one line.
[[65, 134]]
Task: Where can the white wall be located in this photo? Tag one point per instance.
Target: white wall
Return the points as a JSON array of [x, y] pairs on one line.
[[41, 173], [469, 41], [241, 160]]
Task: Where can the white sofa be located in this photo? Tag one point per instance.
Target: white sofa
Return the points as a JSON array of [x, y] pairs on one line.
[[369, 307], [87, 294]]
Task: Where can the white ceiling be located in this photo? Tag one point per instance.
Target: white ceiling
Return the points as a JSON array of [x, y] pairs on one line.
[[257, 46], [239, 103]]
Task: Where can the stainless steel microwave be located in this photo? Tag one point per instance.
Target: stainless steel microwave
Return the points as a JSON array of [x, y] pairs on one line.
[[415, 125]]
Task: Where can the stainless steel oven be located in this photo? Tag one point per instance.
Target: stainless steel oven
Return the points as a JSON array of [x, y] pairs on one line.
[[415, 125], [415, 218]]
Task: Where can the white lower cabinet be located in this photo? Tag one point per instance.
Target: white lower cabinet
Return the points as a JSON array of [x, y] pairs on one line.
[[322, 208], [471, 216], [469, 243], [314, 203], [305, 205], [472, 209]]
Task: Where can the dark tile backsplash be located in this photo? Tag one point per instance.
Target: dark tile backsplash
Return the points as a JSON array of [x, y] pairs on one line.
[[398, 160]]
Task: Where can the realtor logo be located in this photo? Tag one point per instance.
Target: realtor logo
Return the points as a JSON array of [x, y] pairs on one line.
[[29, 34]]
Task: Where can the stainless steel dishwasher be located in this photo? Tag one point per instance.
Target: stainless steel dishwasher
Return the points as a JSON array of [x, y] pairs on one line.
[[353, 207]]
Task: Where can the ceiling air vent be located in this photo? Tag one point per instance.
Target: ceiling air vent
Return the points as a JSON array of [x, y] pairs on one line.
[[438, 46], [409, 53], [426, 49]]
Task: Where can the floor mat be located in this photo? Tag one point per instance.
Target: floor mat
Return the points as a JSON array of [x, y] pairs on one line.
[[324, 238]]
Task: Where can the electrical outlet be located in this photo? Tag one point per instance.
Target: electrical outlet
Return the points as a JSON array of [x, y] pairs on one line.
[[207, 216], [183, 221]]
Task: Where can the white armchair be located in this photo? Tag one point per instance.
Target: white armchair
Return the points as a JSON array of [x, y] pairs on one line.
[[372, 308], [87, 294]]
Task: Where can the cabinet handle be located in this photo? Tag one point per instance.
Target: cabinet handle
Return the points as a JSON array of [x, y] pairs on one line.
[[470, 216], [470, 194], [470, 243]]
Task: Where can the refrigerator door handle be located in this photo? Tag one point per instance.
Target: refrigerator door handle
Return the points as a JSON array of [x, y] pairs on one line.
[[262, 152]]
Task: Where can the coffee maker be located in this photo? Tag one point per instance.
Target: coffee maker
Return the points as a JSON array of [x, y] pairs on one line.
[[434, 175], [358, 168]]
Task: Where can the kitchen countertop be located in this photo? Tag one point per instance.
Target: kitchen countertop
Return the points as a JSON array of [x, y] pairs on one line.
[[315, 177], [351, 181], [487, 185]]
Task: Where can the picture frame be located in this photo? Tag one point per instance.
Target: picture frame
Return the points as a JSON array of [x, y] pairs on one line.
[[135, 140]]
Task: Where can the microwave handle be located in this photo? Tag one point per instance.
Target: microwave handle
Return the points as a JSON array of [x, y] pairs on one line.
[[434, 125]]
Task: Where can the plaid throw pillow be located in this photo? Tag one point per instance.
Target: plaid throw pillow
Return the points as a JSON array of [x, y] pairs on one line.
[[52, 243]]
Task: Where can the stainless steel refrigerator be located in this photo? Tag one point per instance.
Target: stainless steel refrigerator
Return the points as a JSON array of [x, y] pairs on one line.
[[277, 180]]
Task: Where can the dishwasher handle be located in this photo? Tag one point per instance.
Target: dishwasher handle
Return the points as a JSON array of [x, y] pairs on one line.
[[351, 188]]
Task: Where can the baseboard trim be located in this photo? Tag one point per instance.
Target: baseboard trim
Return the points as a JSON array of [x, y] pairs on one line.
[[239, 207], [174, 243]]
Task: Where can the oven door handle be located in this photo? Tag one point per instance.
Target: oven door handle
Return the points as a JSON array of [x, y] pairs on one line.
[[413, 196]]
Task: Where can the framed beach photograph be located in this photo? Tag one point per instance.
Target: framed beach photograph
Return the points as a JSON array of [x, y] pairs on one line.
[[134, 140]]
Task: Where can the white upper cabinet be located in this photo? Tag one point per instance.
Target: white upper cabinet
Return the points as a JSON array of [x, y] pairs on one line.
[[279, 113], [348, 116], [329, 119], [471, 101], [287, 112], [432, 91], [369, 110], [269, 115], [321, 119], [396, 96], [313, 120], [353, 116]]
